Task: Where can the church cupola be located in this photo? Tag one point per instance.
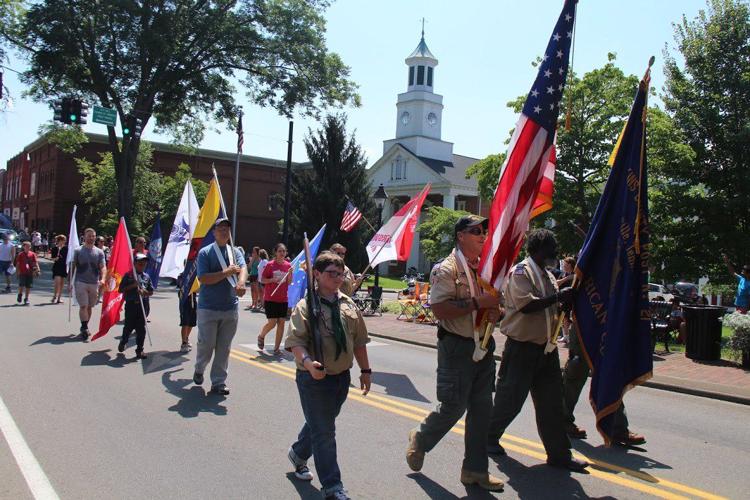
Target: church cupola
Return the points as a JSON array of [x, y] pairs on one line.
[[421, 64]]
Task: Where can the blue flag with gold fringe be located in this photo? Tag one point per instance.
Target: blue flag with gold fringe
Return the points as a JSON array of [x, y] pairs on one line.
[[611, 302]]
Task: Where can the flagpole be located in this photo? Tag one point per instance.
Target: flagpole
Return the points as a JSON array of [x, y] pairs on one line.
[[236, 179], [230, 253]]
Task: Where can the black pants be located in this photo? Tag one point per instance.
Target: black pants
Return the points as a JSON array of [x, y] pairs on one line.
[[525, 368], [134, 320], [462, 386]]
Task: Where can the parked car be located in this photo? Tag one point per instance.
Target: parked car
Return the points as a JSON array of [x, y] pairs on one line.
[[659, 292], [686, 292]]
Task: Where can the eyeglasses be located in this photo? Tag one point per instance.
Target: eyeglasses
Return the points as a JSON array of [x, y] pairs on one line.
[[476, 231], [334, 274]]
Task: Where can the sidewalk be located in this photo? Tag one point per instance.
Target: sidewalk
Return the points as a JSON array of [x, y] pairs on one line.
[[672, 372]]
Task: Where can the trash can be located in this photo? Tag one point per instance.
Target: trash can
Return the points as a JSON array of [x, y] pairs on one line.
[[703, 332]]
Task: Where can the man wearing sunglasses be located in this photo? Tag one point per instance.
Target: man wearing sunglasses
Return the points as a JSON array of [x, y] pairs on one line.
[[463, 385], [742, 298], [347, 287]]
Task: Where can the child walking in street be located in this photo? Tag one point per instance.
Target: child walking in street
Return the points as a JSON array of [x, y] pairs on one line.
[[27, 266], [323, 388], [136, 287]]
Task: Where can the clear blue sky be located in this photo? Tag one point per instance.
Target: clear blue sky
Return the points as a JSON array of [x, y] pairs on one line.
[[484, 50]]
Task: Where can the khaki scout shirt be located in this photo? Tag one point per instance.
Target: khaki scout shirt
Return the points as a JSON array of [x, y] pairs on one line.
[[523, 286], [449, 282], [354, 327], [347, 287]]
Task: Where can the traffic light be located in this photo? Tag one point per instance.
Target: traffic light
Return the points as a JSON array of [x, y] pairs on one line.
[[131, 127], [78, 112], [63, 110]]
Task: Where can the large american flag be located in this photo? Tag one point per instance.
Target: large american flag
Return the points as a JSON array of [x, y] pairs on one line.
[[350, 218], [240, 135], [531, 156]]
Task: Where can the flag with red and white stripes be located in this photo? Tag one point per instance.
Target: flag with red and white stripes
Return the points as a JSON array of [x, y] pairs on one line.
[[240, 135], [529, 164], [350, 218]]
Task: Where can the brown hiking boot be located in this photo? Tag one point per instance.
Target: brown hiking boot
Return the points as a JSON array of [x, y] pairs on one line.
[[484, 480], [575, 432], [414, 456], [629, 439]]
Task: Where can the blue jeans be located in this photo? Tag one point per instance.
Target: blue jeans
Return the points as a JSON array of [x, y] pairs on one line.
[[321, 403]]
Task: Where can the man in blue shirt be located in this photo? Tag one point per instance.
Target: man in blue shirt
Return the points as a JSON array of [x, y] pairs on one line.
[[222, 276], [742, 299]]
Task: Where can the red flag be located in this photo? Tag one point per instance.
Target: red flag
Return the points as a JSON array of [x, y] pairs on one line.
[[525, 186], [393, 240], [120, 263]]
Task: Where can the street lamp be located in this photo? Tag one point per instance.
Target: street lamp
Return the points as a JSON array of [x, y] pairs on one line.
[[380, 196]]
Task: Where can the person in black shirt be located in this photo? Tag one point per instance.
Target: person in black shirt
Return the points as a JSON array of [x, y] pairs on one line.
[[136, 287], [59, 256]]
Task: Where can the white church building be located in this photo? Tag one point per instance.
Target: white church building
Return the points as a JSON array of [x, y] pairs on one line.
[[418, 155]]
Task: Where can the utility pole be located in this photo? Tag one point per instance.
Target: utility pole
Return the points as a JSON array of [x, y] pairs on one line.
[[288, 188]]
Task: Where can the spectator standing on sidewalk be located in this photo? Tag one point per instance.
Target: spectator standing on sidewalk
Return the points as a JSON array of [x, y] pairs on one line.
[[463, 385], [221, 284], [323, 388], [59, 256], [261, 266], [276, 277], [252, 264], [89, 271], [7, 256], [742, 298], [27, 266]]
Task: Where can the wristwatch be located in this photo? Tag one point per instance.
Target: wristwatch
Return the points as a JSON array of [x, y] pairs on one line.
[[366, 370]]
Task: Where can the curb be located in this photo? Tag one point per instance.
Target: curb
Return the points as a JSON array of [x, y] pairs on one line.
[[653, 384]]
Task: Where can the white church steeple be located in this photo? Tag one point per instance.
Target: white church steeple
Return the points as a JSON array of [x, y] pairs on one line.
[[420, 109]]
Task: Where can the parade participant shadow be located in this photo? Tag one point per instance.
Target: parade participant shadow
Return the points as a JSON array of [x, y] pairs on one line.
[[430, 487], [192, 400], [45, 304], [305, 489], [62, 339], [269, 357], [398, 385], [620, 456], [537, 481], [11, 305], [103, 358], [162, 360]]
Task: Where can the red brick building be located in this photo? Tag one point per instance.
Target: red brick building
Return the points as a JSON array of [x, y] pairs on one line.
[[42, 184]]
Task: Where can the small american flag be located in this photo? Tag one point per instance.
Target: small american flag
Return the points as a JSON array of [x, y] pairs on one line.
[[528, 171], [240, 135], [350, 218]]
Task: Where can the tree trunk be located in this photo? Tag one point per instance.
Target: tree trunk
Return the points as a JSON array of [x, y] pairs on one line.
[[125, 174]]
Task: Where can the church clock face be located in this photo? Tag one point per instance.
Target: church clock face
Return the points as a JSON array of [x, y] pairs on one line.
[[431, 119], [405, 117]]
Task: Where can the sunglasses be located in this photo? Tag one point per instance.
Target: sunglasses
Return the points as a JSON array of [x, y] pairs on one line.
[[476, 230], [334, 274]]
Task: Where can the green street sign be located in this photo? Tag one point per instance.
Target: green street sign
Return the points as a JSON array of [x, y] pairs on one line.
[[105, 116]]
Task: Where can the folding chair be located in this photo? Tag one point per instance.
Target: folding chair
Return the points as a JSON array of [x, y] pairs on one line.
[[371, 304], [409, 304]]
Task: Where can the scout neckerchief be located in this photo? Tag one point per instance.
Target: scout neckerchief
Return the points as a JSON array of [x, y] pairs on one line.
[[339, 334], [538, 282], [223, 263], [472, 290]]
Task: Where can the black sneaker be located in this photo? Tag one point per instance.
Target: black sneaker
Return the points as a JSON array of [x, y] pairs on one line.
[[121, 346], [84, 335], [140, 355], [198, 378], [221, 390], [18, 298]]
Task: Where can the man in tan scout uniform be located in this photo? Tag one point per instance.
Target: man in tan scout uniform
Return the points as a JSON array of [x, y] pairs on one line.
[[531, 298], [347, 287], [323, 388], [463, 385]]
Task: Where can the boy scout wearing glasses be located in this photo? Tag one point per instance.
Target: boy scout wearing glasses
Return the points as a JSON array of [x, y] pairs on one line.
[[463, 385], [347, 287], [323, 392]]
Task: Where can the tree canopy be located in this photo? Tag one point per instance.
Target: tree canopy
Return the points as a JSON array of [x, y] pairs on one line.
[[319, 193], [708, 96], [436, 232], [180, 62]]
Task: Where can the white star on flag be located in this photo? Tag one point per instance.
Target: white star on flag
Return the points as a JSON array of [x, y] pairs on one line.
[[550, 90], [568, 17], [556, 37], [545, 57], [537, 109], [561, 71], [535, 93], [570, 34], [559, 53], [547, 73]]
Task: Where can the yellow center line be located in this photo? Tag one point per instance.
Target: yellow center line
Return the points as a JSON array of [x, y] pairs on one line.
[[416, 413]]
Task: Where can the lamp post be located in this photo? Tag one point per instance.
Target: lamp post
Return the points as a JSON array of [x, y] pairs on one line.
[[380, 196]]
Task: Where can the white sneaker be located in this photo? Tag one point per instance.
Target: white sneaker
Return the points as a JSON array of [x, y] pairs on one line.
[[301, 470], [186, 347]]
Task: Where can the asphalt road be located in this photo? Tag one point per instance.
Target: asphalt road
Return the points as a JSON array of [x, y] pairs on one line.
[[101, 425]]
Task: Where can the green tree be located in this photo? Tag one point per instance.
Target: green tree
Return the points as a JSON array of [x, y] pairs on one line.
[[99, 193], [179, 62], [436, 232], [487, 172], [708, 96], [318, 194]]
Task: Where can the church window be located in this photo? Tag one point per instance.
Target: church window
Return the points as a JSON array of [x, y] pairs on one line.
[[420, 75], [411, 75], [429, 76], [461, 205]]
